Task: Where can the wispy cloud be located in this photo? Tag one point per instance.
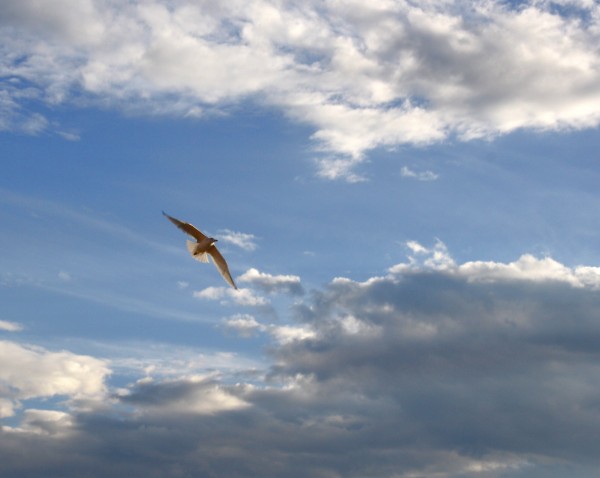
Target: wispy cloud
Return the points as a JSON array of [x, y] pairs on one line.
[[247, 326], [10, 326], [348, 69], [88, 219], [243, 297], [64, 276], [240, 239], [406, 172], [69, 136], [183, 284]]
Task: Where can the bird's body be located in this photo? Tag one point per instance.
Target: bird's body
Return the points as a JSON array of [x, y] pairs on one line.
[[203, 247]]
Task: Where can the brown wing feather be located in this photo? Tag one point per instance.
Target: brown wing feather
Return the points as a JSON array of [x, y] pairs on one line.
[[221, 265], [186, 227]]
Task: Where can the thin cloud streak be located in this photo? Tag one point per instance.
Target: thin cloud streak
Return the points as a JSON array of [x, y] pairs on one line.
[[45, 206], [117, 301]]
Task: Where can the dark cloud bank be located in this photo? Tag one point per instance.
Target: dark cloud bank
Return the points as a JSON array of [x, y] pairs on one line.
[[427, 373]]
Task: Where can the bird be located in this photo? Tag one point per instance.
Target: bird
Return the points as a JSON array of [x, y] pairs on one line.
[[203, 247]]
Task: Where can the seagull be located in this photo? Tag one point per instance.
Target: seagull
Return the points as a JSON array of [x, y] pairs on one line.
[[203, 247]]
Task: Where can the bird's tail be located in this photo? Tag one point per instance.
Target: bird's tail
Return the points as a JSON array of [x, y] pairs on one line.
[[191, 246]]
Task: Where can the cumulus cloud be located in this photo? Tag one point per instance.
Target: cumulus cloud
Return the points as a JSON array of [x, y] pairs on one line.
[[272, 283], [437, 368], [363, 75], [32, 372], [526, 268]]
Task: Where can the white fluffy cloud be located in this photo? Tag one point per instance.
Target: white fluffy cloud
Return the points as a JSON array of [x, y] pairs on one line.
[[32, 372], [363, 75], [526, 268]]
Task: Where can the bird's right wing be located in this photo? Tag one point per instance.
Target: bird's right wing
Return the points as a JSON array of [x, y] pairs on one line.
[[186, 227], [221, 265]]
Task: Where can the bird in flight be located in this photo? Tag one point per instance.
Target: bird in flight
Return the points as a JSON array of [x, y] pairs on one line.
[[203, 247]]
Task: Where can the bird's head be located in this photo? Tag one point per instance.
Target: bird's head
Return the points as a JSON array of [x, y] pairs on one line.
[[212, 240]]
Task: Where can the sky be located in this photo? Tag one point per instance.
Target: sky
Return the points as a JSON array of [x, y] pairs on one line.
[[406, 194]]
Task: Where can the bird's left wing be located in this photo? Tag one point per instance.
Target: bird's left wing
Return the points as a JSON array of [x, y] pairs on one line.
[[221, 265], [186, 227]]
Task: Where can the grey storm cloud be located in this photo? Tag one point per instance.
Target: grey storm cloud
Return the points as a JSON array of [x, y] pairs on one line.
[[427, 371]]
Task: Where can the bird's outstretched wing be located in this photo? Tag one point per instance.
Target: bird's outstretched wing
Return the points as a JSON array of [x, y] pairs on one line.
[[186, 227], [221, 265]]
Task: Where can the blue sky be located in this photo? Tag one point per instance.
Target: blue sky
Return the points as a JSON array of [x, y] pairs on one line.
[[406, 194]]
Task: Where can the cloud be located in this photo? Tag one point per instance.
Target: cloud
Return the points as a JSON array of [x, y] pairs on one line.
[[196, 395], [160, 360], [69, 136], [10, 326], [64, 276], [437, 368], [526, 268], [436, 257], [244, 324], [247, 326], [362, 75], [82, 218], [33, 372], [45, 422], [287, 334], [420, 176], [272, 284], [244, 297], [239, 239]]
